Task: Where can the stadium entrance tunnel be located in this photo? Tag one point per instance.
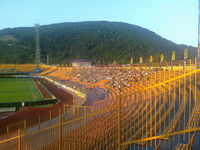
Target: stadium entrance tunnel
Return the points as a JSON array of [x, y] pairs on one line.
[[37, 70]]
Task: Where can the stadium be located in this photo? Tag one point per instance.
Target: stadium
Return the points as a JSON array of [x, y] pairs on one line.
[[80, 106], [137, 107]]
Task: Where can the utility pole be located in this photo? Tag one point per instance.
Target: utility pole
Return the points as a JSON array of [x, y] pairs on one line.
[[198, 37]]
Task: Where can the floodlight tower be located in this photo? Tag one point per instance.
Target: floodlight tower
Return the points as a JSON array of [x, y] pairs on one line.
[[37, 50]]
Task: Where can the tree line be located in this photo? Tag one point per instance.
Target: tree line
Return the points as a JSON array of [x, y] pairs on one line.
[[100, 42]]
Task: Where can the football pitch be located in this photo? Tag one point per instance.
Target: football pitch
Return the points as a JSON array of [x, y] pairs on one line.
[[18, 90]]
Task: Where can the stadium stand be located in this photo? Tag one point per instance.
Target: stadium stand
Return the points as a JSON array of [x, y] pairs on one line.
[[141, 108]]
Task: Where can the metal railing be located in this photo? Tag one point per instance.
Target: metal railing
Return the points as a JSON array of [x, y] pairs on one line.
[[161, 111]]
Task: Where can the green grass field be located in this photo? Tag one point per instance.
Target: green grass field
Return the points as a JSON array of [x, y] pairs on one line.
[[18, 90]]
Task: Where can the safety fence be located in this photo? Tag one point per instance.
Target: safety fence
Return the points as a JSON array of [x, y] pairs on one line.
[[161, 111], [169, 113], [69, 119]]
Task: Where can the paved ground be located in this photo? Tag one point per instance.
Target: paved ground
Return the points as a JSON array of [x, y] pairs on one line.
[[92, 97]]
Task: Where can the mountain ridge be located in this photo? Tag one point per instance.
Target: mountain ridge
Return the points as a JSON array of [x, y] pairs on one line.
[[98, 41]]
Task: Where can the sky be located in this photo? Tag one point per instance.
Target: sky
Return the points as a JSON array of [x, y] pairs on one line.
[[175, 20]]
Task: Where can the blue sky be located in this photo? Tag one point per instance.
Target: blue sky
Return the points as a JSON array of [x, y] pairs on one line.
[[175, 20]]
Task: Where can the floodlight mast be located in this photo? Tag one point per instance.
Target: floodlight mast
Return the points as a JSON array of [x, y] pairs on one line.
[[37, 50]]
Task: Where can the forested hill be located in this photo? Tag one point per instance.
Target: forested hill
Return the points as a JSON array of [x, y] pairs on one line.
[[97, 41]]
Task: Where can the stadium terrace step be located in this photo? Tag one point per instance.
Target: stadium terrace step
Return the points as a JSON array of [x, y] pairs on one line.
[[172, 126], [181, 146]]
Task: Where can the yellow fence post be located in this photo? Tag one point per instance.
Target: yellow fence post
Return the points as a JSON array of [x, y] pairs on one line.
[[64, 111], [184, 100], [155, 95], [190, 94], [7, 128], [85, 115], [39, 122], [174, 104], [119, 122], [67, 112], [146, 116], [169, 94], [179, 97], [164, 97], [25, 127], [60, 133], [151, 114], [160, 114], [142, 115], [49, 117], [19, 139], [195, 86]]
